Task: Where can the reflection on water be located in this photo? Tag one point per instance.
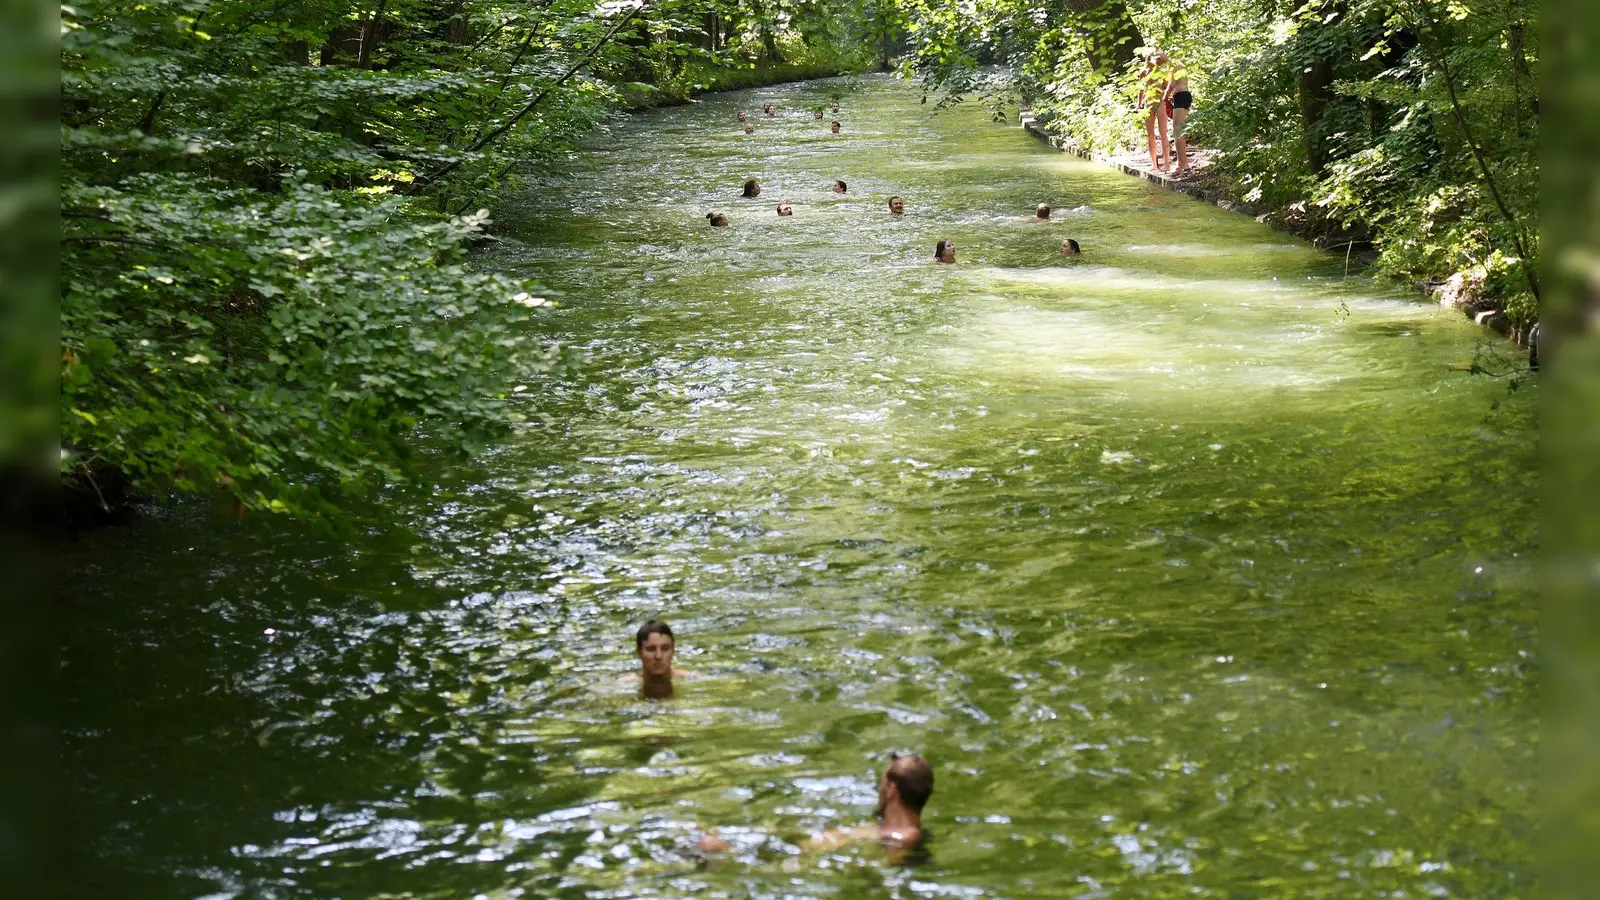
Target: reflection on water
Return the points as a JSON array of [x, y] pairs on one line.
[[1192, 567]]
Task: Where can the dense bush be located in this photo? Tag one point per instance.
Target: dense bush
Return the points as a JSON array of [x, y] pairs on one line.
[[267, 208], [1415, 122]]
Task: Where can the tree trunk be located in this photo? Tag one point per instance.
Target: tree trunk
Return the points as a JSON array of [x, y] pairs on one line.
[[1316, 81], [1516, 42], [369, 36], [1316, 92]]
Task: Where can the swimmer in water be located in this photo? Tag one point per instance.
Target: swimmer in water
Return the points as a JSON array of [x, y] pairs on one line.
[[834, 127], [784, 209], [819, 115], [717, 220], [749, 129], [741, 115], [903, 791], [1069, 247], [752, 188], [654, 645], [945, 251], [897, 206], [836, 109], [768, 110], [840, 187], [1042, 211]]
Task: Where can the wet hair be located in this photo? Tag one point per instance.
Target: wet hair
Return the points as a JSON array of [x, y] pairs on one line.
[[913, 777], [893, 199], [835, 123], [1074, 245], [716, 218], [654, 626], [938, 250], [842, 186], [750, 188], [1042, 211], [783, 206]]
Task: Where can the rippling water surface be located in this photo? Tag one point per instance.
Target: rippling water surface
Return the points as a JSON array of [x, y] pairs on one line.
[[1193, 567]]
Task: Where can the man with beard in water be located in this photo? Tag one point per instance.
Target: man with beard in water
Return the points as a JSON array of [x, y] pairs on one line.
[[654, 645], [902, 793]]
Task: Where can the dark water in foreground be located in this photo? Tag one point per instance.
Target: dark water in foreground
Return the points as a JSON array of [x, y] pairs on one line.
[[1192, 567]]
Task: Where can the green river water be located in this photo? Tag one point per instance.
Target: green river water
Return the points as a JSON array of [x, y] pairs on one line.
[[1194, 567]]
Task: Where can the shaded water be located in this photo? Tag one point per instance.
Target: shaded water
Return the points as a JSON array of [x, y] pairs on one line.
[[1194, 568]]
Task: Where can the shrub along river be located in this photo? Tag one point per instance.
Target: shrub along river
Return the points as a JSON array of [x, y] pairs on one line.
[[1194, 567]]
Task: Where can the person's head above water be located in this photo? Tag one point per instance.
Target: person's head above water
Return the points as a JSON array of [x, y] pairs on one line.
[[752, 188], [896, 205], [904, 791], [1069, 247], [749, 129], [653, 643], [840, 187], [834, 127], [740, 114], [1042, 211], [945, 251], [819, 114], [716, 219], [784, 209], [767, 109]]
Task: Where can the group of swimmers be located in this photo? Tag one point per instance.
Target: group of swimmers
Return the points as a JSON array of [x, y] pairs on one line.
[[943, 252], [770, 111], [903, 790]]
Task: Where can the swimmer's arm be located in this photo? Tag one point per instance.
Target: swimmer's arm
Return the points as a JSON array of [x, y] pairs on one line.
[[835, 838]]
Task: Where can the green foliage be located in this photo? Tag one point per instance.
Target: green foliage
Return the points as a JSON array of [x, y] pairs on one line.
[[265, 285], [1415, 122], [212, 337]]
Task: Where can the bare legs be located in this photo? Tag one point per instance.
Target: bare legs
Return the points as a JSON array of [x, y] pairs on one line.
[[1150, 138], [1158, 111], [1180, 116]]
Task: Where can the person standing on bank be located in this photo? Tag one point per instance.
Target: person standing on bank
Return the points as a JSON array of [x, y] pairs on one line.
[[1179, 100], [1155, 114]]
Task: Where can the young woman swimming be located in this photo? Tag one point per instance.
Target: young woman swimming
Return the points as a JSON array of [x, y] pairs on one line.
[[752, 188], [945, 251]]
